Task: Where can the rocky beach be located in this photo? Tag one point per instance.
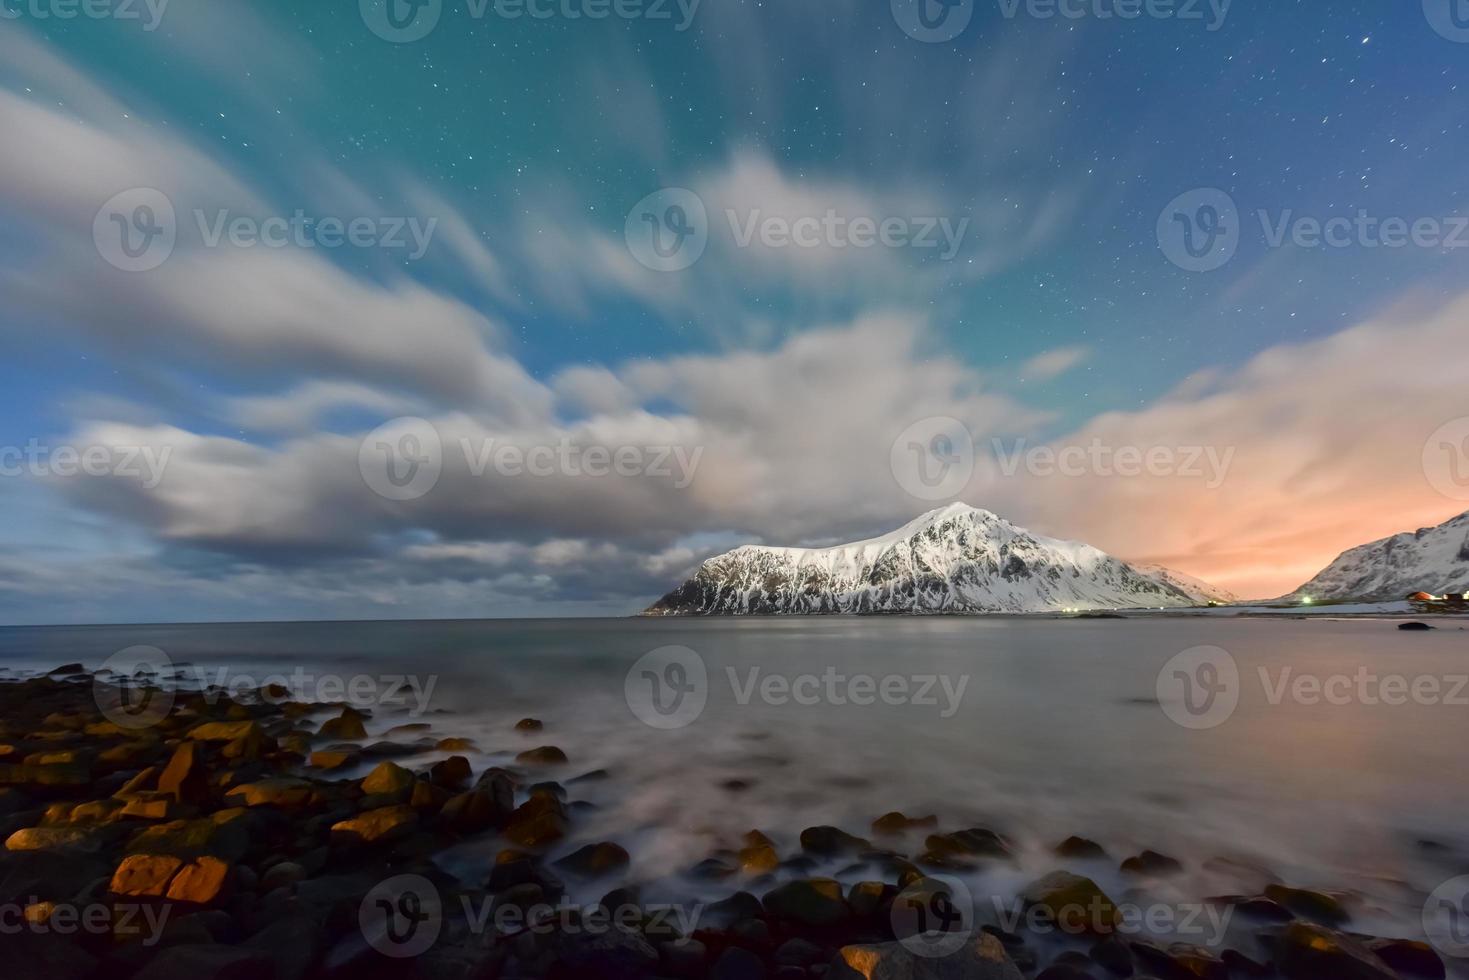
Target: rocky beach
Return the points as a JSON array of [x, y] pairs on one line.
[[156, 831]]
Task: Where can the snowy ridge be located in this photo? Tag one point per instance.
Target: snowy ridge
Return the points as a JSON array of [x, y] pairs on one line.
[[958, 559], [1196, 589], [1432, 559]]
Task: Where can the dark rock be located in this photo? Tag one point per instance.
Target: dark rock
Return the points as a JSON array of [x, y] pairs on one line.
[[209, 963], [545, 755], [1409, 956], [809, 901], [451, 773], [738, 964], [831, 842], [529, 725], [595, 860], [1414, 627], [294, 946], [1080, 848], [897, 823], [1152, 864], [1074, 903], [1310, 952], [984, 958], [1315, 906]]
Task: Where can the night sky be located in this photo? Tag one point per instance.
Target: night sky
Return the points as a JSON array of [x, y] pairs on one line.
[[1059, 318]]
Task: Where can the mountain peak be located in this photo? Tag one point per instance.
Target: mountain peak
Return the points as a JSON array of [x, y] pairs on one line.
[[1432, 559], [954, 559]]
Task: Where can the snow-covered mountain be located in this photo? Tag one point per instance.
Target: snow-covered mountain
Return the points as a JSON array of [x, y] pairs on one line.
[[957, 559], [1432, 559], [1196, 589]]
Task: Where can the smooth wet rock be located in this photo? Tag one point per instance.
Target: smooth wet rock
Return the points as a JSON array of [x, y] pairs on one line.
[[897, 823], [1409, 956], [831, 842], [1306, 951], [285, 792], [294, 946], [545, 755], [380, 826], [1152, 864], [186, 777], [964, 846], [1316, 906], [529, 725], [209, 963], [595, 860], [333, 759], [1080, 848], [60, 840], [982, 958], [1074, 903], [144, 875], [220, 836], [389, 779], [205, 881], [347, 726], [808, 901], [738, 964], [451, 773]]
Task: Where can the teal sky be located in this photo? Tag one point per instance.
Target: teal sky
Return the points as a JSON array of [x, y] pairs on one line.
[[1057, 142]]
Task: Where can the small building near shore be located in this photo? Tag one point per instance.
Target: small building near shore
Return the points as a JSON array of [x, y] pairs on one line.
[[1420, 597]]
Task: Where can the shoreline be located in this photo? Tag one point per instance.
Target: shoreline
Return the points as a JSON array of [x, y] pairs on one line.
[[222, 818]]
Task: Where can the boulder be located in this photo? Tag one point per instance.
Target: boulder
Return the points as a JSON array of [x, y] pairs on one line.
[[808, 901], [1072, 903], [380, 826], [204, 881], [186, 777], [831, 842], [982, 958], [200, 962], [61, 840], [347, 726], [217, 836], [1316, 906], [1152, 864], [389, 779], [144, 875], [1306, 951], [294, 945], [545, 755], [451, 773], [1080, 848], [285, 792], [1409, 956], [595, 860], [897, 823]]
